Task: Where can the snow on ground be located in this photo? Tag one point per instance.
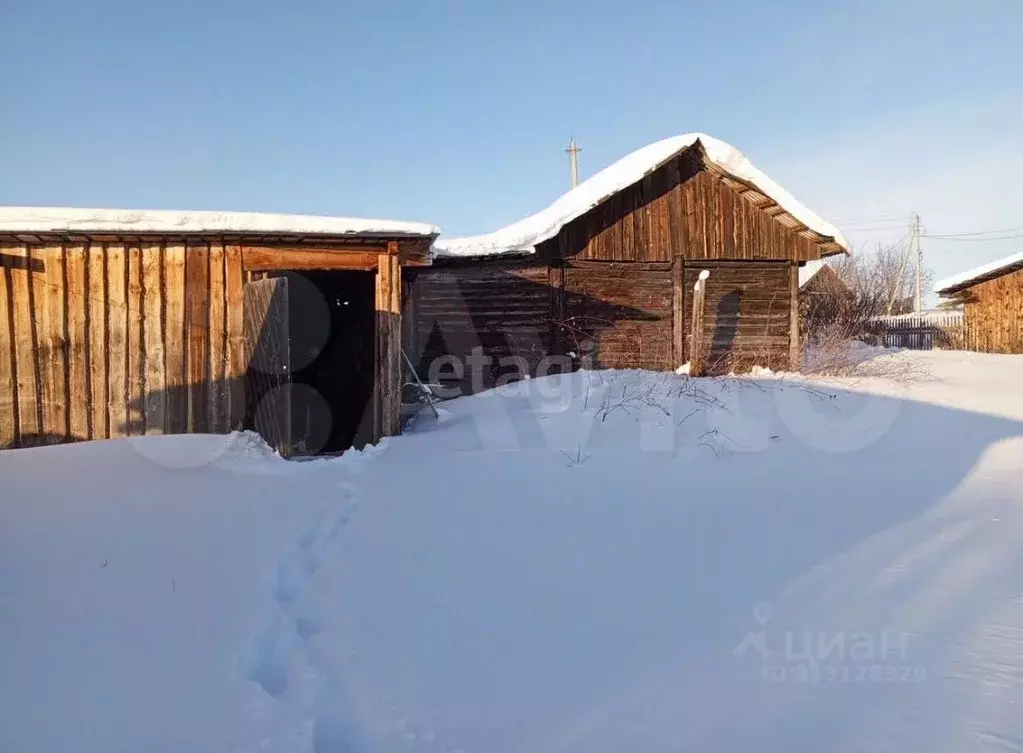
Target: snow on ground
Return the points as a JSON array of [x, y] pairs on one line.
[[603, 561]]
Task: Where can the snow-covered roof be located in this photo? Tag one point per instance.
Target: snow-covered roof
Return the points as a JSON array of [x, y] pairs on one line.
[[524, 235], [64, 219], [979, 274], [809, 270]]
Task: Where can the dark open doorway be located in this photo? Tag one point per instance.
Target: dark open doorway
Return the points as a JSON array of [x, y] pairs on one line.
[[311, 377], [333, 326]]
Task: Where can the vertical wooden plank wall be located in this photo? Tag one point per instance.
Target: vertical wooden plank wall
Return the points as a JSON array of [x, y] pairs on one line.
[[197, 273], [155, 410], [96, 324], [993, 317], [117, 341], [135, 390], [25, 340], [76, 305], [53, 337], [8, 385], [387, 392], [176, 420], [235, 337], [102, 340], [216, 416]]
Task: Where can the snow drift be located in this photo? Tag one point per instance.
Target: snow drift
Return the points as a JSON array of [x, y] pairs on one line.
[[597, 561]]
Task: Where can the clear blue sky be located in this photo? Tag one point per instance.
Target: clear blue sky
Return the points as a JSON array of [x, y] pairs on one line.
[[456, 113]]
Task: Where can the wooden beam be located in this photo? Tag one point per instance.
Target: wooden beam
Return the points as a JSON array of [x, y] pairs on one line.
[[696, 352], [235, 335], [197, 332], [79, 397], [678, 303], [136, 345], [117, 342], [387, 392], [8, 383], [97, 316], [416, 256], [175, 345], [256, 258], [794, 354], [154, 337], [556, 282], [217, 419], [54, 329]]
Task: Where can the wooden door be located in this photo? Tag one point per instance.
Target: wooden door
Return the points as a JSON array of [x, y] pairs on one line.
[[268, 361]]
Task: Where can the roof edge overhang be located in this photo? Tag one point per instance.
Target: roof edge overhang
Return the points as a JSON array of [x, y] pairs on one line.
[[949, 289], [829, 245]]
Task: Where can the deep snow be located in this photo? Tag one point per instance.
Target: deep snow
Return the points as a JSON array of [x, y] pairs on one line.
[[604, 561]]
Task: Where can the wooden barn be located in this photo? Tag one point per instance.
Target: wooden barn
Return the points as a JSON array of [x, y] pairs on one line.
[[605, 275], [823, 297], [120, 323], [992, 301]]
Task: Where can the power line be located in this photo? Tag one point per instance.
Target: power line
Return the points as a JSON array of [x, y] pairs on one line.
[[880, 218], [979, 232], [871, 229], [974, 239]]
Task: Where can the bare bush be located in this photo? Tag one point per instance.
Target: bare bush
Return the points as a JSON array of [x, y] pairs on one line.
[[632, 393], [842, 309]]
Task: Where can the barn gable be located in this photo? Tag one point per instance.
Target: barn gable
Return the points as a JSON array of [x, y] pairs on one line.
[[692, 208], [620, 254]]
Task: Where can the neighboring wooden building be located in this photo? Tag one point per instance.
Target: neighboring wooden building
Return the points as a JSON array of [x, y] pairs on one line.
[[992, 301], [823, 297], [116, 324], [605, 274]]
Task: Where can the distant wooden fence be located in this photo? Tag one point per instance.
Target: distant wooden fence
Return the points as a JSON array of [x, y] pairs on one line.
[[919, 332]]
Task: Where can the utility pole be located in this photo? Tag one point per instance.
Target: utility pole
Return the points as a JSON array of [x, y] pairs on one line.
[[919, 260], [914, 240], [573, 150]]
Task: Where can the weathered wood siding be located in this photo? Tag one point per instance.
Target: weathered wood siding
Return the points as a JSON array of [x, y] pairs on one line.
[[748, 314], [681, 209], [112, 339], [625, 309], [993, 315], [620, 278], [503, 310]]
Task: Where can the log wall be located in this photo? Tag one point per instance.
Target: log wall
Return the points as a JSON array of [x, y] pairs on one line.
[[748, 314], [505, 310], [993, 315], [619, 278], [109, 340], [624, 309]]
